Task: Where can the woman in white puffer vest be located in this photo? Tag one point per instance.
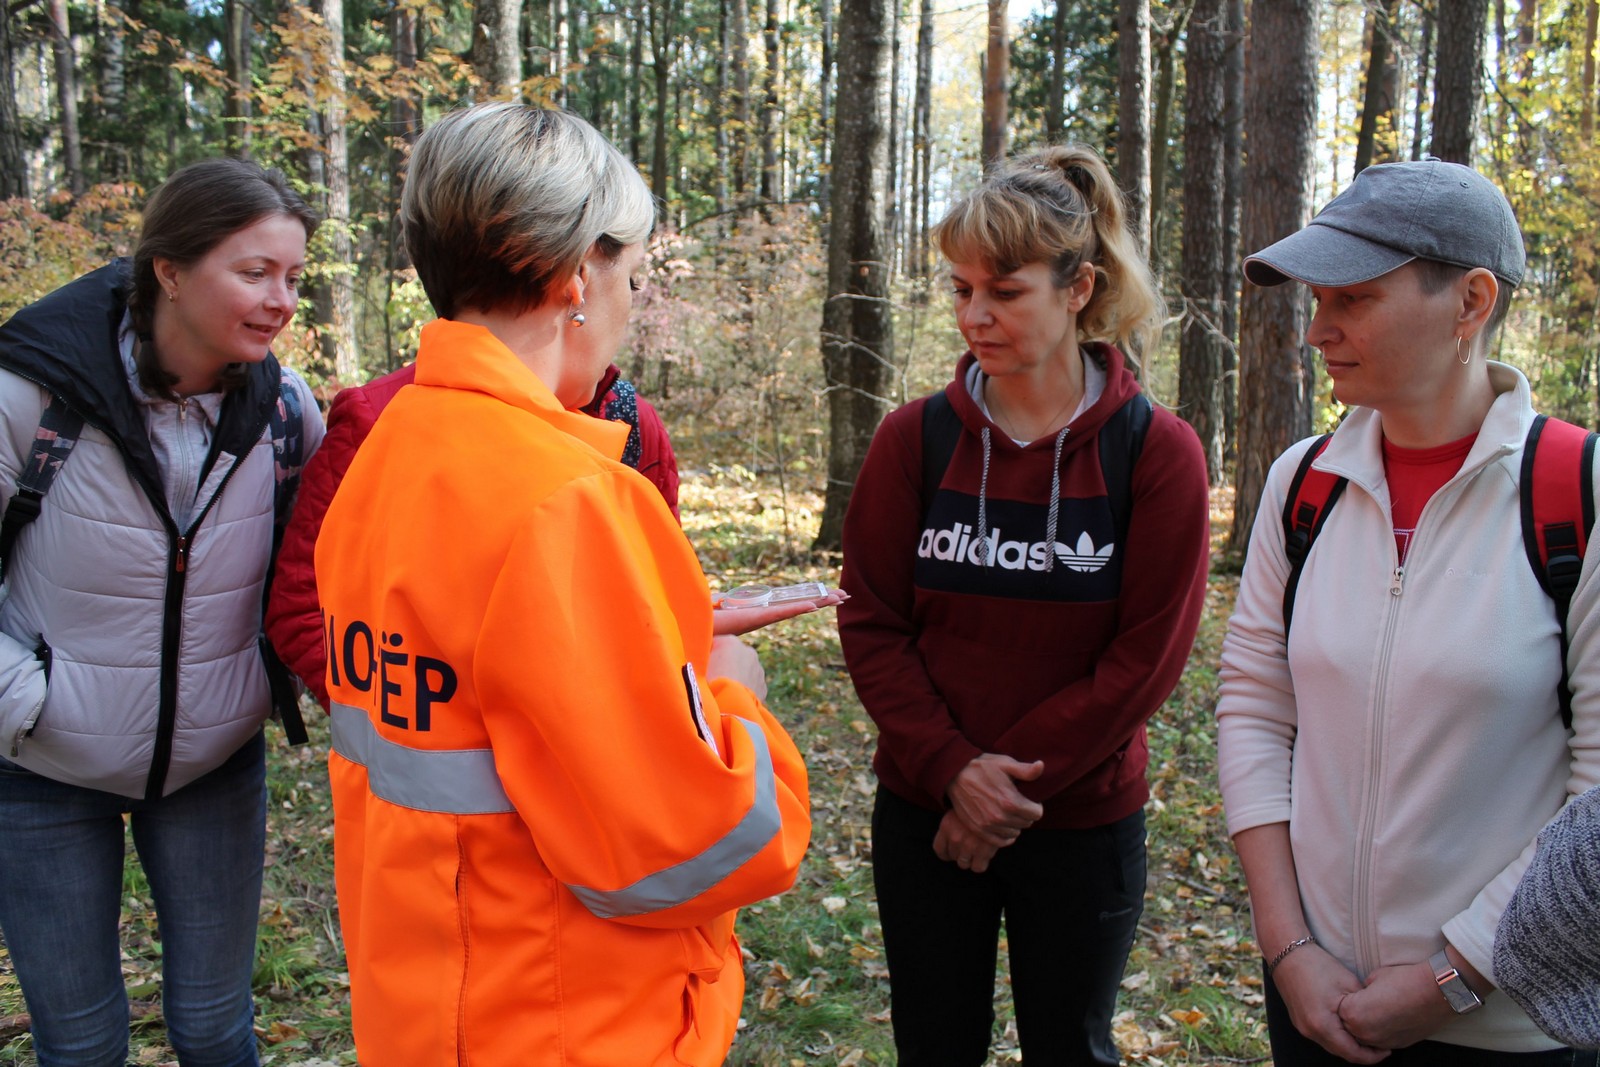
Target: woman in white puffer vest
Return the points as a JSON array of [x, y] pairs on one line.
[[133, 676]]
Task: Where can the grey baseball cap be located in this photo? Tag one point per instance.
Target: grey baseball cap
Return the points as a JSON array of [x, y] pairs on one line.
[[1394, 213]]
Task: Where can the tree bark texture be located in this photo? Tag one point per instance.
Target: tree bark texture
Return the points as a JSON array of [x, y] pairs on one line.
[[663, 16], [1232, 199], [1055, 105], [1458, 78], [112, 158], [339, 323], [922, 144], [824, 109], [239, 103], [1133, 114], [857, 318], [1378, 101], [1166, 80], [1204, 277], [738, 51], [770, 192], [66, 95], [1424, 68], [1592, 24], [996, 85], [1276, 376], [13, 165], [497, 47]]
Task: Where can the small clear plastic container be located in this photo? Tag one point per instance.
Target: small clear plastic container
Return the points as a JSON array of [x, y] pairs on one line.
[[760, 596]]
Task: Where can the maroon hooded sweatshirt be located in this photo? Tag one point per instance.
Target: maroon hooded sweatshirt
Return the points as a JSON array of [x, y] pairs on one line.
[[1061, 660]]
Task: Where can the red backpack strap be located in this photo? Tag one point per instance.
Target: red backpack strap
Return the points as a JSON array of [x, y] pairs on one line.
[[1557, 516], [1312, 493]]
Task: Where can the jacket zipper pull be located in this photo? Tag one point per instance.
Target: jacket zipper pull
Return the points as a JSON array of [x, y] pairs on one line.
[[1397, 581], [182, 560]]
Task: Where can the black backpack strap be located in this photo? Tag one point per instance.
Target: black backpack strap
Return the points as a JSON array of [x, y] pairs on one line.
[[1557, 503], [1121, 444], [1311, 496], [286, 426], [941, 429], [59, 428]]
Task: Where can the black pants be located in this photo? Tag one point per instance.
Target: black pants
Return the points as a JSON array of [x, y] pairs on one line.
[[1291, 1049], [1071, 900]]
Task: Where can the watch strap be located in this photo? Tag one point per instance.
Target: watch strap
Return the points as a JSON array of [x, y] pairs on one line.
[[1456, 992]]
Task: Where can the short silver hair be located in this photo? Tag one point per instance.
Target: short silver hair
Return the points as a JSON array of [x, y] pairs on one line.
[[502, 202]]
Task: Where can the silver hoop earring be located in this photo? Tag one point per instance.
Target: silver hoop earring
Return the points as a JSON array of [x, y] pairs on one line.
[[1463, 362], [578, 319]]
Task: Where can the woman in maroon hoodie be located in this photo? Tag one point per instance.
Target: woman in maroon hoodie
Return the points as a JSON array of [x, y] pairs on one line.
[[1026, 554]]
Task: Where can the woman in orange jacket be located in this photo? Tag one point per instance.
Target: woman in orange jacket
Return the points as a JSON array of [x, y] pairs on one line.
[[539, 847]]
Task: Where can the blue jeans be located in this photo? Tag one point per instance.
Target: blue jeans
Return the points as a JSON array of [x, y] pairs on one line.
[[61, 861]]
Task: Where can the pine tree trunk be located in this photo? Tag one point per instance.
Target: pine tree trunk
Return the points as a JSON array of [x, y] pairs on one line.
[[1201, 379], [238, 105], [1133, 114], [1161, 135], [1276, 376], [1055, 105], [1232, 201], [824, 111], [1586, 91], [739, 49], [922, 142], [1377, 108], [661, 16], [13, 165], [996, 85], [1458, 87], [66, 95], [857, 319], [770, 193]]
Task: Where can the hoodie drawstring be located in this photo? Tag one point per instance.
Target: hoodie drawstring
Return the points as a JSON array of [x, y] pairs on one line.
[[1051, 517], [1055, 503], [983, 505]]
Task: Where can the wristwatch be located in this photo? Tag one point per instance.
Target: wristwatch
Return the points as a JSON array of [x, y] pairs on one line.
[[1456, 992]]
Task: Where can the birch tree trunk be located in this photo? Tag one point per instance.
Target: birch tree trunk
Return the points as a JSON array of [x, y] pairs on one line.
[[497, 47], [339, 334]]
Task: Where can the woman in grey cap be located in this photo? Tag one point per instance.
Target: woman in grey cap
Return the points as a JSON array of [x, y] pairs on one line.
[[1388, 762]]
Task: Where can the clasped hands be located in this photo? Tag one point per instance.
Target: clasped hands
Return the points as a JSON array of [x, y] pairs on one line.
[[987, 810], [1397, 1006]]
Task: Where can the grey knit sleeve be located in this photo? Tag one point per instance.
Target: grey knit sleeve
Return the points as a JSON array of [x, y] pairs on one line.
[[1547, 949]]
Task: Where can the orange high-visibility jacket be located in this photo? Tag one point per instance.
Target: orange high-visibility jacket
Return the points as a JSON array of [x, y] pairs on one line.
[[544, 814]]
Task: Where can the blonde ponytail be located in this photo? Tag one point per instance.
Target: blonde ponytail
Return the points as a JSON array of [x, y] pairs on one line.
[[1061, 206]]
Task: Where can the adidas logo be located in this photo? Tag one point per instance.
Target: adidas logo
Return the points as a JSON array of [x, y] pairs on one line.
[[1084, 557], [957, 545]]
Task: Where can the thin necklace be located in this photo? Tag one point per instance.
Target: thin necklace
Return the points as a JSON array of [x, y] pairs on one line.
[[1005, 423]]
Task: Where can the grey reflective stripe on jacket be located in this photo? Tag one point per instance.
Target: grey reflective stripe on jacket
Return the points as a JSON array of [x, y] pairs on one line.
[[465, 782], [458, 781]]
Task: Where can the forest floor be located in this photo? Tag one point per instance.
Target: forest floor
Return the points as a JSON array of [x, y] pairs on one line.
[[817, 986]]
